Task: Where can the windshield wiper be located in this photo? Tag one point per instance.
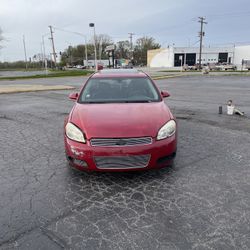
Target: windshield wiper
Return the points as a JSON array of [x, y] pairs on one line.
[[93, 102], [138, 101], [121, 101]]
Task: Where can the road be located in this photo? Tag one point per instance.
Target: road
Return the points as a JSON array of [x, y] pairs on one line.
[[202, 202]]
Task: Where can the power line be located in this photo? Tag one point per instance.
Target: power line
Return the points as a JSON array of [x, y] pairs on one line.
[[69, 31], [195, 43]]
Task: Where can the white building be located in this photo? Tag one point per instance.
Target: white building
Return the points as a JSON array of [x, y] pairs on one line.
[[177, 56]]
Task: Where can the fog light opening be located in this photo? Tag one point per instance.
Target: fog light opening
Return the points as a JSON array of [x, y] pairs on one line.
[[70, 159], [80, 163]]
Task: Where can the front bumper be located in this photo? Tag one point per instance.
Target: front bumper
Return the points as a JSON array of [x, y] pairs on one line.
[[83, 156]]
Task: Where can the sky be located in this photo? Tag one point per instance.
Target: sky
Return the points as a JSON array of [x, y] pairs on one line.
[[169, 22]]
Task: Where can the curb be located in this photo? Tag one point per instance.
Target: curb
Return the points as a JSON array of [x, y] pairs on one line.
[[10, 89], [165, 77]]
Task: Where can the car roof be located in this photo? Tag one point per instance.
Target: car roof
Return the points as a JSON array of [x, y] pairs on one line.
[[107, 73]]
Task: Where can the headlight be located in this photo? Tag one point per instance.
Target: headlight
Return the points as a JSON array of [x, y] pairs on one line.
[[167, 130], [74, 133]]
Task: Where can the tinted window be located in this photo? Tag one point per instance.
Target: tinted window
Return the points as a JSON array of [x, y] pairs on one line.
[[107, 90]]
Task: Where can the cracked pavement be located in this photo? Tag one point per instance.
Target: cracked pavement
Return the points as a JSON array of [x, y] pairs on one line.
[[201, 202]]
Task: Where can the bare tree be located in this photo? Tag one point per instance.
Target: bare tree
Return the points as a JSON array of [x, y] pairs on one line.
[[102, 41], [123, 49], [144, 44], [74, 55]]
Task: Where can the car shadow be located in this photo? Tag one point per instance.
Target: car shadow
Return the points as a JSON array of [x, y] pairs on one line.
[[119, 177]]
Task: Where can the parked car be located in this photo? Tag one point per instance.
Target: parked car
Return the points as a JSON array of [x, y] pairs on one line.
[[225, 66], [99, 66], [212, 66], [80, 67], [245, 65], [120, 122], [193, 67], [128, 66]]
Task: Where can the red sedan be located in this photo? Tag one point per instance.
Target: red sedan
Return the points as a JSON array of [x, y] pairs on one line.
[[120, 122]]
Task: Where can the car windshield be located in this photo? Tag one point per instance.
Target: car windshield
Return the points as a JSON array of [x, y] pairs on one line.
[[120, 90]]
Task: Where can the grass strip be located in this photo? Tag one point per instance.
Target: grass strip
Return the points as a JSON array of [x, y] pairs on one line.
[[31, 88], [53, 74]]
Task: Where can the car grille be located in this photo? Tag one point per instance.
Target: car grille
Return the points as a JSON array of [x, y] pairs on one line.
[[119, 142], [122, 162]]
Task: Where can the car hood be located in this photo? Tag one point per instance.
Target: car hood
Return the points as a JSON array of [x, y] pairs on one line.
[[120, 120]]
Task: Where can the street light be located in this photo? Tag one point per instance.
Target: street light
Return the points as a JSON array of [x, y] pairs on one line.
[[80, 34], [92, 25]]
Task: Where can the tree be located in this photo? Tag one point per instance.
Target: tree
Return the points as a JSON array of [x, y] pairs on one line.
[[74, 55], [102, 41], [21, 65], [122, 49], [144, 44]]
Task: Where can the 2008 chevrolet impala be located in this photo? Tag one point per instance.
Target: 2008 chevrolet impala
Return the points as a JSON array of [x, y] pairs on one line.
[[119, 122]]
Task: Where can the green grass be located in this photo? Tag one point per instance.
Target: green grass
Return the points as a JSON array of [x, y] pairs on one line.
[[52, 74], [242, 74]]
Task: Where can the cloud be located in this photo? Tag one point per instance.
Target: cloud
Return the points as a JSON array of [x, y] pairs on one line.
[[167, 21]]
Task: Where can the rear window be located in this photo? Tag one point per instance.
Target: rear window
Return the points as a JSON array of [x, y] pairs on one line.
[[109, 90]]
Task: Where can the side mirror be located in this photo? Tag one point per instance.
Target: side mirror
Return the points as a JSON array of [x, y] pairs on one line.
[[165, 94], [73, 96]]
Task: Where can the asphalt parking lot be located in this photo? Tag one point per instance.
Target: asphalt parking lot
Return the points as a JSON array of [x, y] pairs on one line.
[[201, 202]]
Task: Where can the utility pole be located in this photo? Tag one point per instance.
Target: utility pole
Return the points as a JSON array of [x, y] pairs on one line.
[[201, 34], [131, 44], [53, 45], [92, 25], [100, 50], [44, 55], [25, 53], [86, 52]]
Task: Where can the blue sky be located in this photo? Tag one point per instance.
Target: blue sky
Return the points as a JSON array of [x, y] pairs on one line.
[[167, 21]]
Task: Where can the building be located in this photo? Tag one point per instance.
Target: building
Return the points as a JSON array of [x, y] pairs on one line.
[[178, 56]]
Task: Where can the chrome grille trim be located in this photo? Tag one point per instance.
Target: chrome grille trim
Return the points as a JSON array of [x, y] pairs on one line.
[[120, 142], [122, 162]]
